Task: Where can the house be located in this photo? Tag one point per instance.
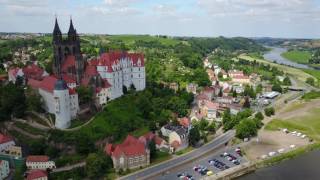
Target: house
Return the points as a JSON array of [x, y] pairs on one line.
[[209, 92], [234, 73], [238, 88], [178, 136], [242, 79], [201, 98], [217, 70], [5, 143], [37, 175], [131, 154], [207, 64], [31, 71], [39, 162], [210, 110], [224, 74], [224, 100], [226, 91], [192, 88], [234, 108], [159, 142], [15, 151], [4, 169]]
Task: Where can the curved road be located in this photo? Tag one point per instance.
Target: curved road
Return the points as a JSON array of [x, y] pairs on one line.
[[193, 155]]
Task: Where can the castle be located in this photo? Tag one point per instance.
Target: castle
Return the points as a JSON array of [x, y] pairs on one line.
[[107, 75]]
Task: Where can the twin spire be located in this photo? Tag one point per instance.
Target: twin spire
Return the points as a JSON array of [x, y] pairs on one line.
[[57, 31]]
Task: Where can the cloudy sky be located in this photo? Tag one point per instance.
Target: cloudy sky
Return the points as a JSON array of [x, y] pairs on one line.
[[249, 18]]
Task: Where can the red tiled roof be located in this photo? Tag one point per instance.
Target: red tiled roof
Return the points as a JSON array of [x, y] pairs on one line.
[[37, 158], [184, 122], [35, 174], [68, 79], [202, 97], [149, 136], [48, 83], [69, 62], [106, 83], [72, 91], [158, 140], [108, 149], [5, 139], [91, 71], [130, 147], [240, 77], [212, 105], [33, 71]]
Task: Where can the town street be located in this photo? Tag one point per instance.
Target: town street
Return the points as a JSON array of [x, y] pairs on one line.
[[178, 161]]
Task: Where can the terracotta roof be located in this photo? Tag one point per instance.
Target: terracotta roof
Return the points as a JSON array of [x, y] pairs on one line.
[[68, 79], [35, 174], [184, 122], [212, 105], [37, 158], [5, 139], [108, 149], [202, 97], [91, 71], [130, 147], [72, 91], [158, 140], [240, 77], [106, 83], [33, 71], [149, 136], [48, 83]]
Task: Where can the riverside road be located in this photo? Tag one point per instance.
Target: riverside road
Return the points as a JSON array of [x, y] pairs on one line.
[[195, 155]]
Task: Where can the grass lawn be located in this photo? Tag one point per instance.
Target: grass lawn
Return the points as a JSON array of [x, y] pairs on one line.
[[29, 128], [188, 149], [311, 95], [160, 157], [314, 73], [298, 73], [308, 124], [301, 57], [130, 39]]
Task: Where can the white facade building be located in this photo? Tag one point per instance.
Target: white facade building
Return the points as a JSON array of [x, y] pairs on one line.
[[122, 69], [4, 169], [58, 99], [5, 143], [39, 162]]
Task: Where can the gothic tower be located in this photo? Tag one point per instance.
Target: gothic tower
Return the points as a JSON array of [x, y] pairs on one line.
[[65, 47]]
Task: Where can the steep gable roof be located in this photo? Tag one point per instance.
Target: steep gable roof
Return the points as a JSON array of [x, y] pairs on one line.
[[131, 146], [37, 158], [35, 174], [5, 139], [48, 83]]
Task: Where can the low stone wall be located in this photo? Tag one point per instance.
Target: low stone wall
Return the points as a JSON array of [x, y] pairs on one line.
[[233, 172]]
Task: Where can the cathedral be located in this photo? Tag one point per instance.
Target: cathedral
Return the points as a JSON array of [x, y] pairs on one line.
[[63, 48]]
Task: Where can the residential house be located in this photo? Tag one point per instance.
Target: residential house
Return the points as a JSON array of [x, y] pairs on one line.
[[201, 98], [37, 175], [242, 79], [235, 108], [192, 88], [207, 64], [5, 142], [178, 136], [234, 73], [15, 151], [210, 110], [224, 100], [209, 92], [4, 169], [39, 162], [131, 154], [160, 143]]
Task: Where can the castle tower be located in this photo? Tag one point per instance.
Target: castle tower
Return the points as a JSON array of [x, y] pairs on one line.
[[62, 105], [63, 48]]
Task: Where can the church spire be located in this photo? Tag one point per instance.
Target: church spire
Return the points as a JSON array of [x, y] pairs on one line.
[[56, 30], [71, 28]]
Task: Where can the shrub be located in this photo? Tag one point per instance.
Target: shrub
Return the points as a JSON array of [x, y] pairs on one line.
[[269, 111]]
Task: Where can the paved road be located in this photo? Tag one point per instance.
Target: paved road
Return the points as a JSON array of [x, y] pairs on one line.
[[197, 153]]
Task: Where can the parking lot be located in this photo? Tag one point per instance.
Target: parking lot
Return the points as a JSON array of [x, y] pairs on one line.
[[199, 169]]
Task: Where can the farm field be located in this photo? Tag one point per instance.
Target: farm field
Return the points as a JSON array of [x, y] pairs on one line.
[[301, 57], [298, 73]]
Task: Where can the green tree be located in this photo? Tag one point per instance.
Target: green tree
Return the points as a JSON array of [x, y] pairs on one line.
[[277, 87], [246, 103], [212, 127], [33, 100], [286, 81], [310, 81], [203, 125], [246, 128], [269, 111], [194, 135], [259, 88], [85, 94], [259, 116], [153, 150], [97, 164]]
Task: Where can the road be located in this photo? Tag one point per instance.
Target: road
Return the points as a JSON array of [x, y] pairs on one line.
[[69, 167], [152, 171]]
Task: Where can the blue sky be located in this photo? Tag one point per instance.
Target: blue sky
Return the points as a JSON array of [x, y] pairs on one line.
[[249, 18]]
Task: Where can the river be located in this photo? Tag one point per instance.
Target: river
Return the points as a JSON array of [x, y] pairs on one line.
[[275, 56], [304, 167]]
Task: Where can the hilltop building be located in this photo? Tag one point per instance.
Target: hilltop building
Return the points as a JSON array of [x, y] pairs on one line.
[[132, 153]]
